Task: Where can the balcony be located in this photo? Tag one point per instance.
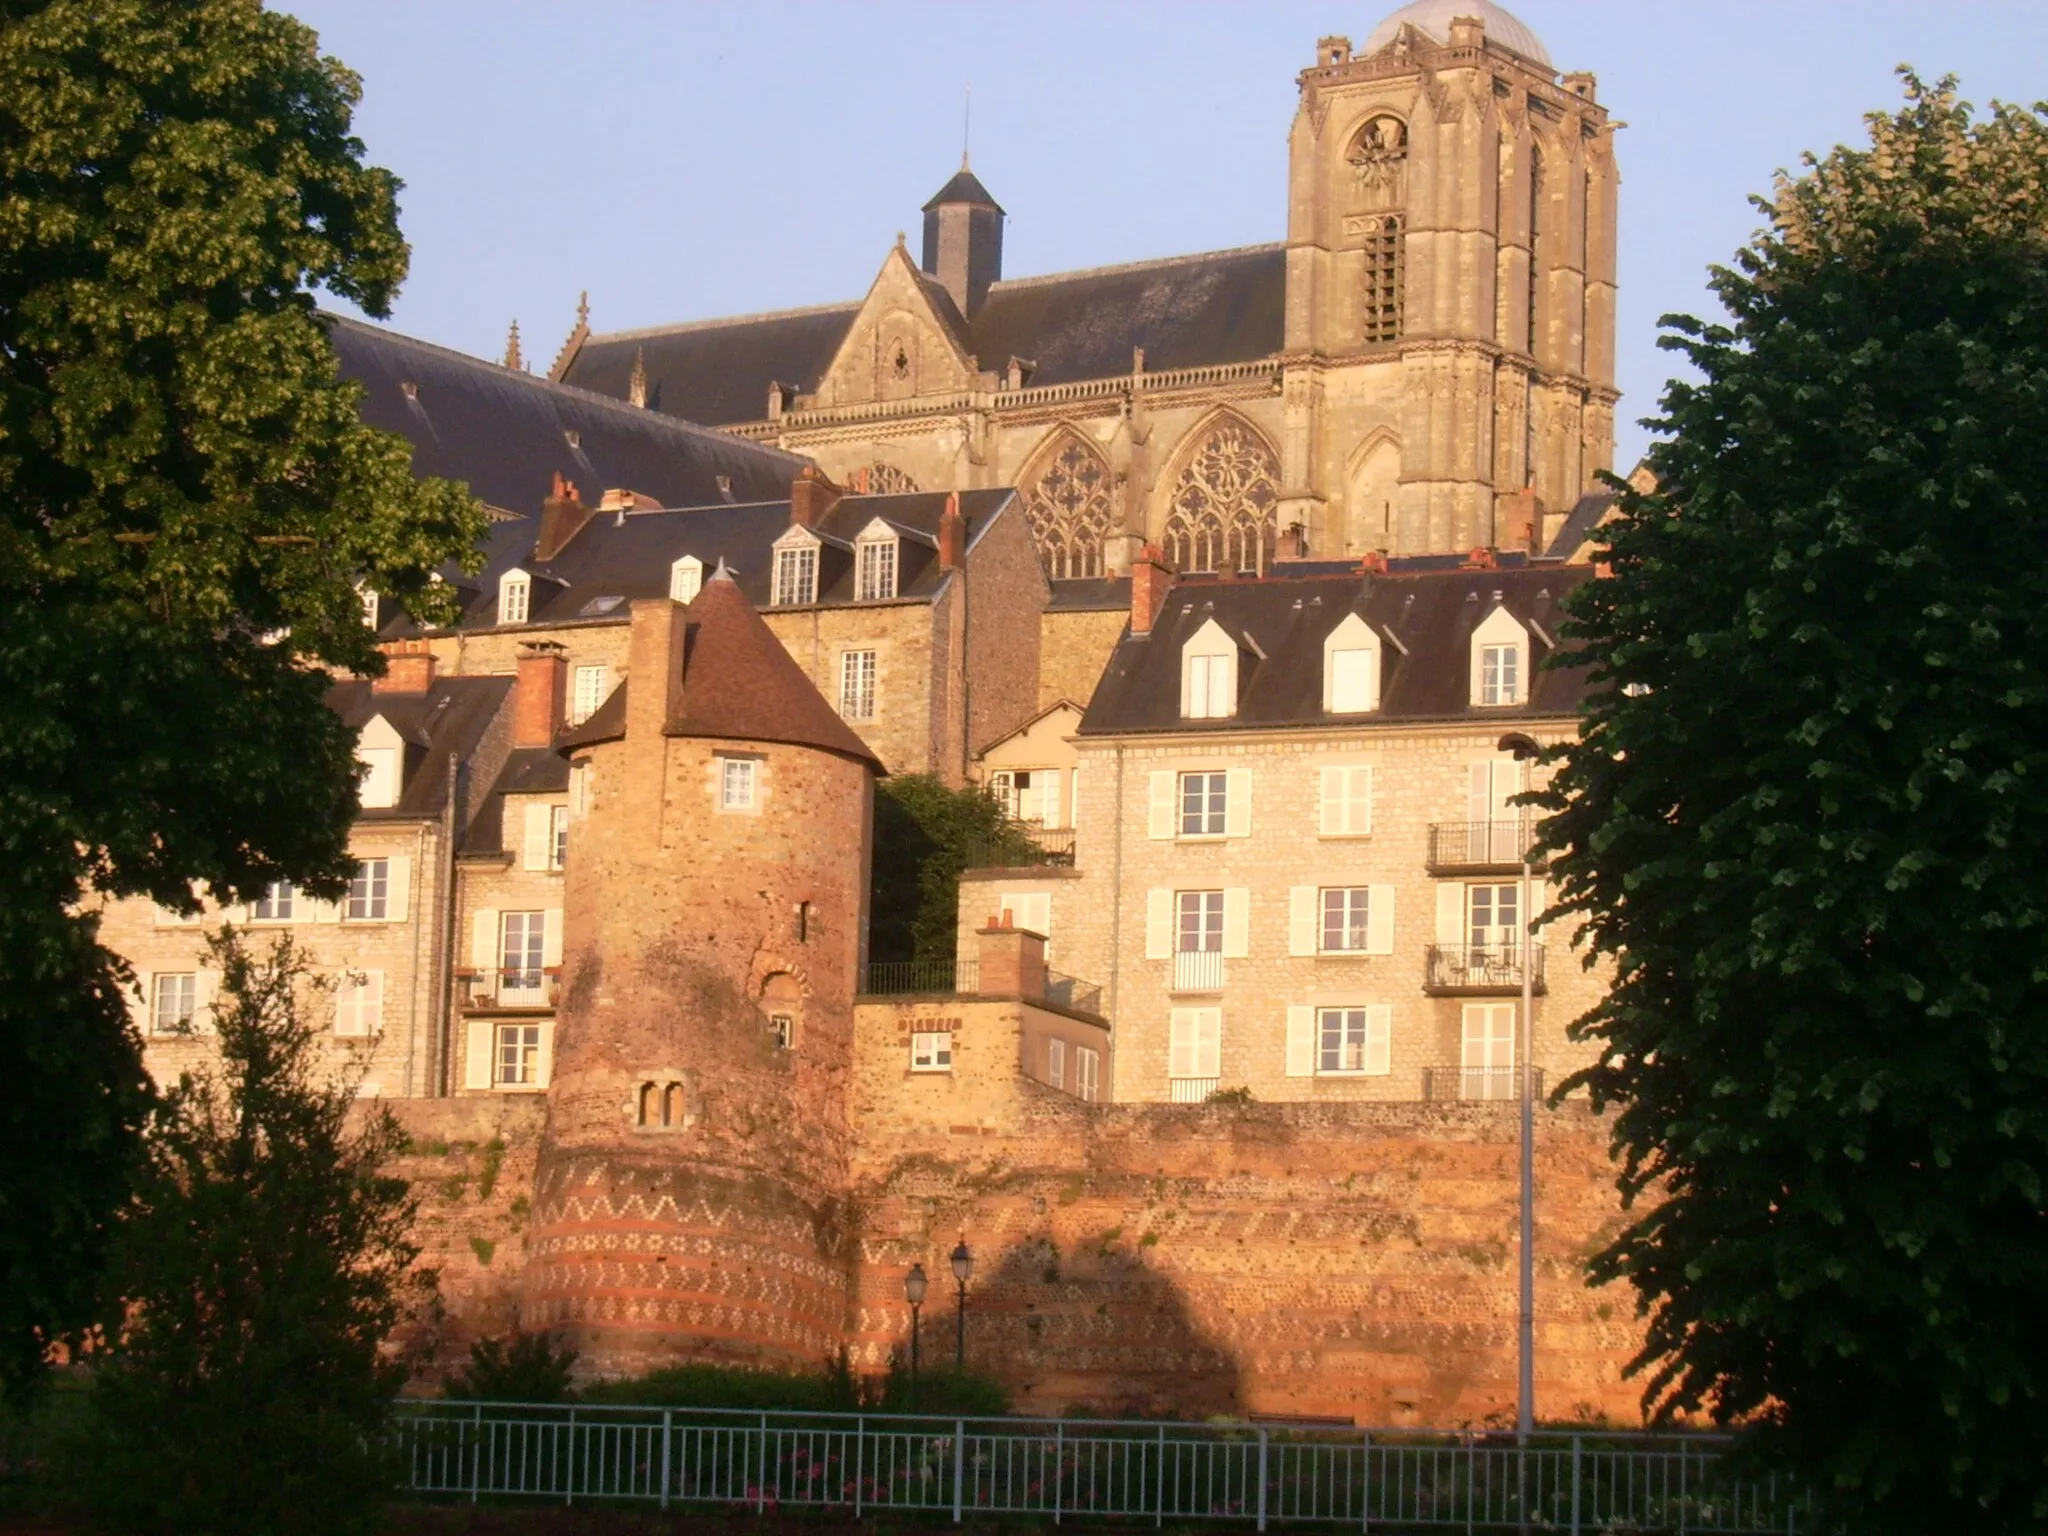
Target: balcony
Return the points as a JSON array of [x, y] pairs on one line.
[[1193, 1090], [1022, 845], [496, 989], [951, 978], [1477, 847], [1450, 1085], [1197, 970], [1469, 970]]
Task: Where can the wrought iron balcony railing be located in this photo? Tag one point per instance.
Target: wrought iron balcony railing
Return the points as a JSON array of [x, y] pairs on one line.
[[1481, 967], [1478, 845], [906, 978], [1442, 1085], [1023, 845]]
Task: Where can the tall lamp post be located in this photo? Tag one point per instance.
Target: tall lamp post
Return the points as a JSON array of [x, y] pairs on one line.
[[1524, 751], [963, 1267], [913, 1292]]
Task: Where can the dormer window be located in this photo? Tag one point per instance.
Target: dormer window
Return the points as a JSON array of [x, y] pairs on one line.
[[1208, 675], [1351, 668], [515, 597], [875, 565], [796, 575], [1500, 661], [685, 579], [381, 751], [369, 602]]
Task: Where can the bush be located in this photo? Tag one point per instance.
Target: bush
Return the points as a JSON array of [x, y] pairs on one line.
[[523, 1368], [940, 1390]]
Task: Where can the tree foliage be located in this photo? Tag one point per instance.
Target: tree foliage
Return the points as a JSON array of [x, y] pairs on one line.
[[519, 1368], [1806, 825], [265, 1260], [188, 500], [926, 833]]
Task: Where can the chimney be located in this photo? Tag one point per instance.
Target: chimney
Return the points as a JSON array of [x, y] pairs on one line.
[[1373, 562], [1292, 543], [1151, 580], [811, 495], [538, 697], [627, 501], [1518, 520], [952, 534], [1012, 960], [562, 517], [408, 668]]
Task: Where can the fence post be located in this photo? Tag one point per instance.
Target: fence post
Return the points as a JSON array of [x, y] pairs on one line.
[[860, 1431], [1365, 1488], [668, 1436], [569, 1464], [476, 1454], [1159, 1486], [959, 1466], [1262, 1479], [1575, 1485], [1681, 1485], [761, 1470]]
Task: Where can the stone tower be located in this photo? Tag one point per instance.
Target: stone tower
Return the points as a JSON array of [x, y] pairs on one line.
[[1450, 272], [963, 239], [686, 1202]]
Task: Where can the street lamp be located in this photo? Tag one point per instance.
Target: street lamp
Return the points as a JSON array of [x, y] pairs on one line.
[[913, 1292], [963, 1267], [1525, 751]]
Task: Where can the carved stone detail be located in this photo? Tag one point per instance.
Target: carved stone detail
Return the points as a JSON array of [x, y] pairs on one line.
[[1071, 506], [1221, 514]]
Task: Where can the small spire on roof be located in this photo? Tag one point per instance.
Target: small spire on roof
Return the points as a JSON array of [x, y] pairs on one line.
[[583, 307], [513, 360], [724, 571], [636, 385]]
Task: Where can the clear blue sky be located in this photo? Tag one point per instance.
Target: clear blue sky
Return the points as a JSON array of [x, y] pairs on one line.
[[683, 161]]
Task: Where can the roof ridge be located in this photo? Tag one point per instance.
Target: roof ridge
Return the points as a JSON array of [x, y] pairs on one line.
[[851, 306], [1133, 266]]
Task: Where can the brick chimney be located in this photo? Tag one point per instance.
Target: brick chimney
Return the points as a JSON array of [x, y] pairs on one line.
[[1012, 959], [1292, 543], [1151, 580], [562, 517], [811, 495], [952, 534], [408, 667], [537, 701], [1518, 520]]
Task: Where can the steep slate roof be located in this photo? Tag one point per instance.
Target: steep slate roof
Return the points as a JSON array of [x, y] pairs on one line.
[[527, 771], [629, 557], [1186, 311], [1587, 513], [965, 187], [738, 684], [451, 716], [1431, 613]]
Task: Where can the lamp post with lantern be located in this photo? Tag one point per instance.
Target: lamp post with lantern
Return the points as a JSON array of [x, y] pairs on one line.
[[914, 1285], [963, 1267]]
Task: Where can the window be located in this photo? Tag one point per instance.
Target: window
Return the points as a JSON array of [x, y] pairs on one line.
[[1351, 668], [796, 576], [1346, 800], [175, 1003], [737, 786], [1353, 1040], [857, 685], [1211, 688], [591, 685], [1500, 674], [1487, 1051], [1493, 916], [359, 1003], [1345, 919], [1381, 302], [1500, 659], [379, 788], [558, 836], [686, 579], [876, 565], [1199, 929], [783, 1027], [275, 905], [516, 1061], [369, 600], [1087, 1072], [1194, 1053], [931, 1051], [515, 597], [369, 892], [1204, 803], [1056, 1063], [1009, 786], [521, 958]]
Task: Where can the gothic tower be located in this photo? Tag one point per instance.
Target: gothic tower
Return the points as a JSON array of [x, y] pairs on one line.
[[686, 1202], [963, 239], [1450, 285]]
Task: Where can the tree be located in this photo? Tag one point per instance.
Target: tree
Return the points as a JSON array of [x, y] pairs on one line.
[[925, 834], [264, 1261], [1805, 823], [188, 501], [520, 1368]]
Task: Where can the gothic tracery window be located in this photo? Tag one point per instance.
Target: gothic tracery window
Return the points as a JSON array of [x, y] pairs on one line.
[[1379, 160], [1070, 509], [880, 479], [1221, 514]]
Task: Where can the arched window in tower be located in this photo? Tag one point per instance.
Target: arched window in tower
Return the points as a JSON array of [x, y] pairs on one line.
[[1379, 160], [1070, 509], [1221, 513], [1380, 304]]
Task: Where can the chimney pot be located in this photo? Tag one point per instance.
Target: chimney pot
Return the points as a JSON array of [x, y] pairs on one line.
[[408, 667], [952, 534], [562, 516]]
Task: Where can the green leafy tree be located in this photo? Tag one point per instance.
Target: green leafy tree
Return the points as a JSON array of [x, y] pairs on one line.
[[188, 500], [520, 1368], [263, 1264], [1805, 824], [926, 833]]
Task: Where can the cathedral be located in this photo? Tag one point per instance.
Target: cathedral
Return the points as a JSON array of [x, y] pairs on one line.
[[1424, 365]]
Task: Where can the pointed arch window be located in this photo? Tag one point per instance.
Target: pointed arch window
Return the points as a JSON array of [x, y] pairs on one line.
[[1069, 506], [1379, 159], [1220, 515]]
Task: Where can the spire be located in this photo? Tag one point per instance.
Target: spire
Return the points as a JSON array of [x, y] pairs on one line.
[[513, 359], [577, 336], [636, 384]]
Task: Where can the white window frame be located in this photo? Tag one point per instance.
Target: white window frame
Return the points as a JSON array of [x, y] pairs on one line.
[[515, 597], [1056, 1062], [1500, 662], [1194, 1052], [1212, 818], [739, 783], [1361, 1047], [685, 579], [558, 836], [515, 1055], [1345, 792], [1087, 1073], [876, 562], [359, 1003], [369, 892], [796, 576], [1486, 1053], [184, 1006], [370, 605], [1352, 908], [857, 685], [1198, 915], [522, 953], [931, 1050], [1351, 668], [1208, 674], [281, 899], [588, 689]]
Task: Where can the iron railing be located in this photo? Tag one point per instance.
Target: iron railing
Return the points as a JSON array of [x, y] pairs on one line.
[[1481, 967], [1469, 845], [900, 978], [1252, 1474], [1072, 992], [1446, 1084], [1023, 845], [1198, 970]]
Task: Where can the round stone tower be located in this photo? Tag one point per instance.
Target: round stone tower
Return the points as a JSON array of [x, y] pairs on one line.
[[687, 1199]]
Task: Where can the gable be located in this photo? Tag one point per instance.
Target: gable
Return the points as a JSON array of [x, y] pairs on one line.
[[906, 340]]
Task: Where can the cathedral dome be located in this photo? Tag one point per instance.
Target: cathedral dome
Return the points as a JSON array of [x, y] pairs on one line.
[[1435, 16]]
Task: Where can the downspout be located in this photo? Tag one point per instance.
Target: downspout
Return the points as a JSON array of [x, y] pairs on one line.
[[419, 931], [1116, 910], [444, 977]]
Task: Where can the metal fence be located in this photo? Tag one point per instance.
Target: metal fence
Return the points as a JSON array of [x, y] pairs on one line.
[[905, 978], [1387, 1480]]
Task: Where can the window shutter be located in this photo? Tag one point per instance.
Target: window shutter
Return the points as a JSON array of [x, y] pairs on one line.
[[1180, 1043], [398, 887], [327, 911], [1046, 781], [1301, 920], [1379, 921], [544, 1068], [1301, 1042], [1159, 809], [1379, 1038], [551, 938], [373, 1002], [1361, 813], [1332, 802], [539, 833], [1237, 923], [1237, 804], [1450, 913], [205, 993], [476, 1065], [1479, 792], [483, 939], [1208, 1042], [142, 1010], [1158, 924]]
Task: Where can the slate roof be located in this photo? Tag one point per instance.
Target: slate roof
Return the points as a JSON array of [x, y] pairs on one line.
[[527, 771], [1585, 516], [1090, 594], [1425, 619], [451, 716], [1185, 311], [965, 187], [628, 557]]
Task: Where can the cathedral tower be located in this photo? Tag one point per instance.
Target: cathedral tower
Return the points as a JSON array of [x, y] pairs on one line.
[[963, 239], [686, 1200]]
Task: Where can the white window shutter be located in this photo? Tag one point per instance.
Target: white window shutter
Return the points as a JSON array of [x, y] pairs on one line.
[[205, 996], [327, 911], [1237, 806], [1208, 1042], [1301, 1042], [1301, 920], [535, 847], [1479, 792], [1158, 924], [1379, 1038], [1048, 781], [544, 1068], [1332, 802], [398, 887], [1379, 921], [1450, 913], [1159, 806], [1361, 816], [1180, 1043], [483, 939], [476, 1064], [551, 938], [373, 1002], [1237, 923], [142, 1009]]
